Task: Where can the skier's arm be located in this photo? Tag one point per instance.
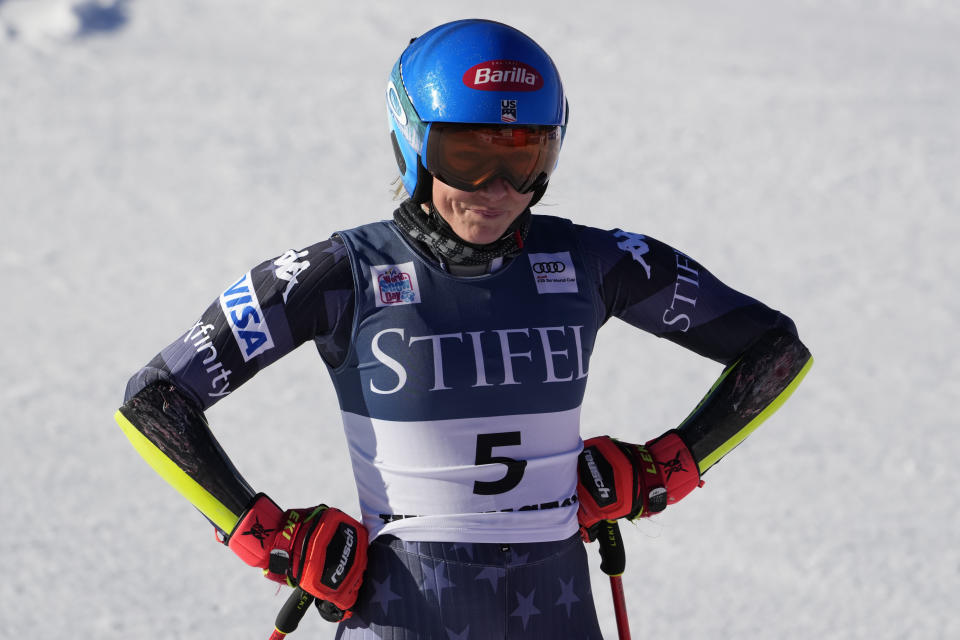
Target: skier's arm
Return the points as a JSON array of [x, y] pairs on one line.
[[291, 546], [266, 313], [683, 302], [654, 287], [263, 315], [171, 433], [624, 480], [747, 392]]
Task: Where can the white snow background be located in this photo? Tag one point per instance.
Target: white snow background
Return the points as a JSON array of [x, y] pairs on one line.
[[807, 153]]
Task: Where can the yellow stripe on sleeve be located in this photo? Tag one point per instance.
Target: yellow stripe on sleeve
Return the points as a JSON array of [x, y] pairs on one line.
[[714, 456], [189, 488]]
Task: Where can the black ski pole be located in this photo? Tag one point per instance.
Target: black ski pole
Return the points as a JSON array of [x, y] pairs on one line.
[[613, 561], [291, 613]]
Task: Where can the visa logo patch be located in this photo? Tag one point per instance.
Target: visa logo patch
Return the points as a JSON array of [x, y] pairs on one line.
[[554, 272], [242, 309], [395, 284]]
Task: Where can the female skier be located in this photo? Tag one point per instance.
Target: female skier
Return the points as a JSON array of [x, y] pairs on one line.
[[458, 336]]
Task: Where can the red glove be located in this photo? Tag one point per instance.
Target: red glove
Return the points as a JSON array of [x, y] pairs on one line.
[[622, 480], [322, 550]]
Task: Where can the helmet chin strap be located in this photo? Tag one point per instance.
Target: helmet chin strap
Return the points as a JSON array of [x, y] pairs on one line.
[[423, 192], [538, 193]]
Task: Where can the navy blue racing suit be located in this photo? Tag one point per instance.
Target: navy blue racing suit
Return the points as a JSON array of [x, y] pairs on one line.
[[460, 399]]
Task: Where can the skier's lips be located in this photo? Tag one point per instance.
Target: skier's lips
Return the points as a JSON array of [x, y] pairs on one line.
[[489, 213]]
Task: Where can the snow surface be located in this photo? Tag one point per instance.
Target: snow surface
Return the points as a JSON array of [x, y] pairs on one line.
[[807, 152]]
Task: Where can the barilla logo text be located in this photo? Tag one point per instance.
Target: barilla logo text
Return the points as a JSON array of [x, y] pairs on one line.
[[395, 284], [242, 309], [503, 75]]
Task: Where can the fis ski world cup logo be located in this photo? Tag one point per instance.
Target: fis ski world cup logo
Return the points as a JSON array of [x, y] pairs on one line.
[[395, 284]]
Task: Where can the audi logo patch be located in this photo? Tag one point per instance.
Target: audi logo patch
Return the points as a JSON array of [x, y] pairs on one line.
[[549, 267], [553, 272]]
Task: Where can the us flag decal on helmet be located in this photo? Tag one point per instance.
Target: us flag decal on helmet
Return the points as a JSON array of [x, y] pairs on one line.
[[508, 111]]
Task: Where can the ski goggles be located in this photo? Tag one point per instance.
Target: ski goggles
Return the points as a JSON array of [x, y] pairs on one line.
[[466, 156]]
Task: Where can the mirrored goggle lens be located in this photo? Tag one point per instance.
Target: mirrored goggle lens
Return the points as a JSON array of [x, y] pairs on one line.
[[467, 156]]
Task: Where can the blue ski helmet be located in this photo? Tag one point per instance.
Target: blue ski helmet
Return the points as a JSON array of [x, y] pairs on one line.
[[469, 72]]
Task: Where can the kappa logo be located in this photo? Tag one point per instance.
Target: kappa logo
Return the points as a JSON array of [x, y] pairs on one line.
[[395, 284], [288, 267], [553, 272], [242, 309], [636, 245]]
